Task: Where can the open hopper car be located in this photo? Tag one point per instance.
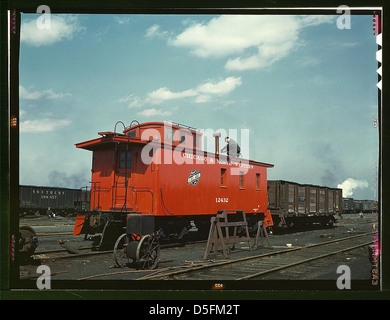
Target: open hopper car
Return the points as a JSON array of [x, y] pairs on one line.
[[299, 205]]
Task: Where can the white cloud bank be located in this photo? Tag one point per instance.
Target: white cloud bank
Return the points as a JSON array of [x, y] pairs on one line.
[[238, 36], [154, 112], [349, 185], [29, 94], [202, 93], [155, 32], [62, 27], [43, 125]]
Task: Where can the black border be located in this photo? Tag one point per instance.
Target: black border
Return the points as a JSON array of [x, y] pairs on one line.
[[10, 157]]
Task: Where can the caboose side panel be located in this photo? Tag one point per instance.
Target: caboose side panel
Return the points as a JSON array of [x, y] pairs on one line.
[[204, 188], [102, 179], [121, 181], [141, 186]]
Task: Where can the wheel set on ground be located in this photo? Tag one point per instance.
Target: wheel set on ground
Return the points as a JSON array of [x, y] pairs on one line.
[[143, 252], [28, 242]]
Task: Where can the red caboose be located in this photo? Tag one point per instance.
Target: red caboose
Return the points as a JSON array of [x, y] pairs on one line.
[[158, 171]]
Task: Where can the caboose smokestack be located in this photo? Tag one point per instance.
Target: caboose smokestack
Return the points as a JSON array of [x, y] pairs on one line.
[[216, 136]]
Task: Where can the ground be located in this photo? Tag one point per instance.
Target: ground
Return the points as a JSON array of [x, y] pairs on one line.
[[101, 267]]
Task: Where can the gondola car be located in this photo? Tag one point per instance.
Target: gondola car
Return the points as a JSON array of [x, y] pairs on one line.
[[35, 200], [153, 182], [351, 205], [302, 205]]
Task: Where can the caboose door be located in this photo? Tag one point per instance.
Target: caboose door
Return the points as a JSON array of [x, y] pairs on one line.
[[123, 199]]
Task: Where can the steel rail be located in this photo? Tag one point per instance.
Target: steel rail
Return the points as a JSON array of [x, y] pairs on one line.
[[44, 234], [237, 261], [61, 250], [72, 256], [302, 262]]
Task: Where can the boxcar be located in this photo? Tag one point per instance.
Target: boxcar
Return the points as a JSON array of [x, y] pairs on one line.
[[293, 204], [159, 169], [62, 201]]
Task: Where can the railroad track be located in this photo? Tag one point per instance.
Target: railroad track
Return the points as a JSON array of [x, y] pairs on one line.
[[49, 234], [255, 267], [70, 252], [44, 257]]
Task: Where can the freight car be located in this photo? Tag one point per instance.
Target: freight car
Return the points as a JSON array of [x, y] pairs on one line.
[[370, 206], [153, 182], [351, 205], [300, 205], [35, 200], [348, 205]]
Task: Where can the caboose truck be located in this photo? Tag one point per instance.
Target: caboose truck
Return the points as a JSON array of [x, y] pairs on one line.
[[153, 182]]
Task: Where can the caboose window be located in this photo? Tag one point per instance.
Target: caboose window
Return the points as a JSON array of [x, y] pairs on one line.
[[242, 180], [223, 177], [258, 180], [123, 162]]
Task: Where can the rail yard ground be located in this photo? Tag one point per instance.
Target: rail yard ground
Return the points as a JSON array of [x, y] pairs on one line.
[[84, 265]]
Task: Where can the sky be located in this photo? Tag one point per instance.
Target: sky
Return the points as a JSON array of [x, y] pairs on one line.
[[304, 88]]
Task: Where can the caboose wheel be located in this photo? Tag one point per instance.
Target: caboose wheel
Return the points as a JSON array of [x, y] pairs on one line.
[[120, 255], [145, 252], [149, 252]]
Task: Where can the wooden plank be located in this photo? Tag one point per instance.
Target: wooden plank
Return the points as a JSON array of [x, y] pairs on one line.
[[217, 238]]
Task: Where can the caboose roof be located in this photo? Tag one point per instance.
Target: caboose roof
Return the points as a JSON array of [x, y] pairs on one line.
[[156, 124], [109, 139]]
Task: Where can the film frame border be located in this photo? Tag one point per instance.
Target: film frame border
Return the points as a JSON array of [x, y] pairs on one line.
[[133, 8]]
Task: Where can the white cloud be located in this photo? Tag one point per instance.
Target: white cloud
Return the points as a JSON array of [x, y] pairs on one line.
[[62, 27], [202, 98], [202, 93], [131, 99], [36, 95], [122, 19], [153, 112], [271, 37], [164, 94], [315, 20], [220, 88], [42, 125], [308, 61], [155, 32], [349, 185]]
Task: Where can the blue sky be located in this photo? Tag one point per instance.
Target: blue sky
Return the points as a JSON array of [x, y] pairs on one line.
[[304, 88]]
